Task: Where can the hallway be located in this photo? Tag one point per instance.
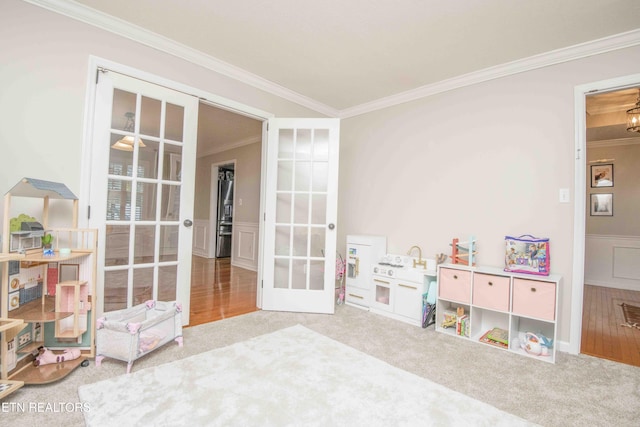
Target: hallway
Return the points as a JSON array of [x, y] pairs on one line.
[[602, 333]]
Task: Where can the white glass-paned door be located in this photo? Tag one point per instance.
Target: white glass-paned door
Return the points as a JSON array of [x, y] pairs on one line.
[[142, 191], [300, 218]]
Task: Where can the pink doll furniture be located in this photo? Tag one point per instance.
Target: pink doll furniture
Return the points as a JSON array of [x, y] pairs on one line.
[[131, 333]]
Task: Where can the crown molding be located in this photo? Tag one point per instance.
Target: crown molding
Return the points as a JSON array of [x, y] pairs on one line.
[[632, 140], [230, 146], [125, 29], [138, 34], [595, 47]]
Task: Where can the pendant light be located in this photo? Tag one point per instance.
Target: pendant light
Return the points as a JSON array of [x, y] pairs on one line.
[[126, 143], [633, 117]]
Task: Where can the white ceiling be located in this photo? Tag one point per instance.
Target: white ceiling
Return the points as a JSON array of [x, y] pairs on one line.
[[345, 53]]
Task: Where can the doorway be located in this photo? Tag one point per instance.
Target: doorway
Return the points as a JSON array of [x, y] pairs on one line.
[[227, 212], [608, 236]]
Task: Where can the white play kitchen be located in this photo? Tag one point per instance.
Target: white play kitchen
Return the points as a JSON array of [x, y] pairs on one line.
[[393, 285]]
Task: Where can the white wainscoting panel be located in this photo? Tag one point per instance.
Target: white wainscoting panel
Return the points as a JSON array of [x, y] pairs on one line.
[[612, 261], [201, 240], [244, 246]]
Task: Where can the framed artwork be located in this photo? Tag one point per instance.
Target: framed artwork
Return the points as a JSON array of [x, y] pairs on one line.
[[602, 204], [602, 175]]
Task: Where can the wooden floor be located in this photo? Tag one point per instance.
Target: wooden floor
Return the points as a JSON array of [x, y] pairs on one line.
[[220, 290], [602, 333]]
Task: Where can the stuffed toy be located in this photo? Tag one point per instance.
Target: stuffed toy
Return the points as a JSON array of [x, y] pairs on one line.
[[47, 356]]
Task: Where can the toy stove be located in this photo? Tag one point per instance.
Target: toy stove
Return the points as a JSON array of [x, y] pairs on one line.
[[400, 267]]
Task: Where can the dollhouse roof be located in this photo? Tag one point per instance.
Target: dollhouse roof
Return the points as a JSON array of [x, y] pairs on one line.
[[31, 187]]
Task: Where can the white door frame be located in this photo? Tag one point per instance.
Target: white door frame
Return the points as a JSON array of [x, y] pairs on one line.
[[579, 221], [213, 211], [95, 64]]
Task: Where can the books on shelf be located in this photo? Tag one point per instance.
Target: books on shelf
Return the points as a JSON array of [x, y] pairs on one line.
[[462, 325], [497, 337]]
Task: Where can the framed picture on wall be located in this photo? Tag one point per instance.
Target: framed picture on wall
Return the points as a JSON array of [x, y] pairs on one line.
[[602, 204], [602, 175]]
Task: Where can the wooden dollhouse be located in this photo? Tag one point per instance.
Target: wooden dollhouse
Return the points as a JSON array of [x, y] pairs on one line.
[[54, 291]]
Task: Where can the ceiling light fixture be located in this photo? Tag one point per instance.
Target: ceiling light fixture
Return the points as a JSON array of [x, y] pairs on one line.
[[126, 143], [633, 117]]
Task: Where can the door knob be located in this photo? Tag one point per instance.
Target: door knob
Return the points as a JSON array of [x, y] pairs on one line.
[[187, 223], [331, 226]]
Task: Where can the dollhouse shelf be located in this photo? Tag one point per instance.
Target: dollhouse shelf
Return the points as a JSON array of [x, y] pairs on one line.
[[45, 374], [40, 310]]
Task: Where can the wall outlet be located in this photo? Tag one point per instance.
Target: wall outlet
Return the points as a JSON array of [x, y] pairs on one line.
[[24, 338]]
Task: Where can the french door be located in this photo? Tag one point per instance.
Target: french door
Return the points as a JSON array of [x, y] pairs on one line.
[[300, 215], [142, 189]]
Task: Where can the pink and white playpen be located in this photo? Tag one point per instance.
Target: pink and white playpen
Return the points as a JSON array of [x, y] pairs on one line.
[[131, 333]]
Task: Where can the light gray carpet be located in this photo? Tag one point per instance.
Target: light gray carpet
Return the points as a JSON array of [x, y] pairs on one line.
[[291, 377], [575, 391]]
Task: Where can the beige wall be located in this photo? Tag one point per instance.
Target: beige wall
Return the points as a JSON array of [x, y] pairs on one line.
[[247, 182], [486, 160], [625, 190], [45, 59]]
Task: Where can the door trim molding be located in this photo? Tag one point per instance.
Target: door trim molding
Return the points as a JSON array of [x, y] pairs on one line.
[[579, 222]]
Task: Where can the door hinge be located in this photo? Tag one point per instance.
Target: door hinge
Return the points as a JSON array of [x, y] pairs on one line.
[[262, 284], [89, 212]]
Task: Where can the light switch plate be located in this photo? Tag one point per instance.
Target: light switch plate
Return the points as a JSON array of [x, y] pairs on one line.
[[564, 195]]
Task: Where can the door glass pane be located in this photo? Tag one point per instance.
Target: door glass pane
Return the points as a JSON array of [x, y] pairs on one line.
[[321, 144], [142, 285], [115, 289], [118, 200], [301, 209], [120, 159], [169, 243], [281, 273], [283, 208], [319, 209], [145, 242], [123, 109], [302, 176], [145, 202], [300, 240], [303, 144], [148, 160], [318, 235], [299, 274], [285, 176], [320, 176], [170, 202], [174, 125], [116, 245], [150, 116], [283, 241], [285, 144], [316, 275], [167, 280], [172, 165]]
